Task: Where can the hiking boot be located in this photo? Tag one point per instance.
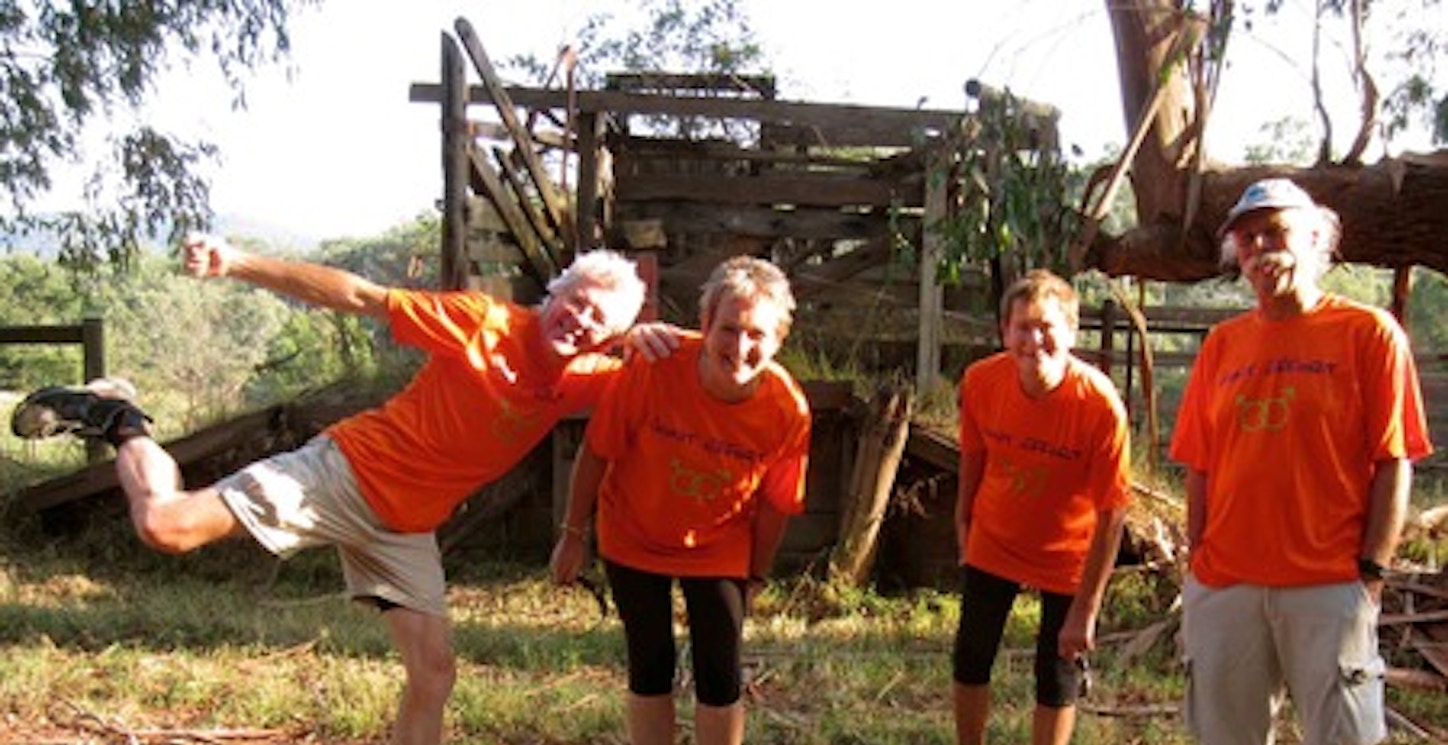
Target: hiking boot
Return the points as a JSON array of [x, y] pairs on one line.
[[102, 408]]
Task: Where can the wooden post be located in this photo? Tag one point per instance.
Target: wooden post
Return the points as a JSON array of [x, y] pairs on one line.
[[585, 209], [882, 444], [93, 348], [1402, 291], [927, 362], [93, 365], [453, 267], [1108, 334]]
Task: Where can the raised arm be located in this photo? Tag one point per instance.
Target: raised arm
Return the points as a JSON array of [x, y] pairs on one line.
[[328, 287]]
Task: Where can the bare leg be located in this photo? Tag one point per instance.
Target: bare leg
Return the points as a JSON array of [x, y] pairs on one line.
[[167, 518], [972, 709], [719, 725], [425, 643], [1052, 725], [650, 719]]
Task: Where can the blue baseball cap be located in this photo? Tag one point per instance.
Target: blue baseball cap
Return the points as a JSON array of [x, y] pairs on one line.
[[1271, 193]]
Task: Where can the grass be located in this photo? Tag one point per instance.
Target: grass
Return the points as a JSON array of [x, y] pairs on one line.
[[104, 641], [101, 641]]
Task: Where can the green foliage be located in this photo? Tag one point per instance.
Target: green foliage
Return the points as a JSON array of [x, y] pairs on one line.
[[669, 36], [1009, 189], [67, 70], [677, 35], [37, 293], [683, 36], [1422, 97], [1288, 140]]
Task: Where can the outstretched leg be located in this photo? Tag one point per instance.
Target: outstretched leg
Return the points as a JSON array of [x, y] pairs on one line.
[[165, 517]]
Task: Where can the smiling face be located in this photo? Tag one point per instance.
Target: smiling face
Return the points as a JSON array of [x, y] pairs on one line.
[[741, 336], [1281, 252], [580, 319], [1038, 335]]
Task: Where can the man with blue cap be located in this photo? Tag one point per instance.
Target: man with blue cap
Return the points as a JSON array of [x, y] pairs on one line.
[[1298, 430]]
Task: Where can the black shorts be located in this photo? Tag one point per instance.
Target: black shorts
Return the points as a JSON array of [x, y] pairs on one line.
[[716, 626], [985, 603]]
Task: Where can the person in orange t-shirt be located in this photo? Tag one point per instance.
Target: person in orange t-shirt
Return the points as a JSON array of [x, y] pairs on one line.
[[693, 464], [376, 485], [1044, 463], [1297, 429]]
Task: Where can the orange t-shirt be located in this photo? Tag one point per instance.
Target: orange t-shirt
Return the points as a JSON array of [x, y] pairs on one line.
[[1286, 419], [478, 405], [678, 496], [1051, 464]]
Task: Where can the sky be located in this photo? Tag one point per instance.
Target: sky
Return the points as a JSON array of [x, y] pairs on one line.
[[329, 145]]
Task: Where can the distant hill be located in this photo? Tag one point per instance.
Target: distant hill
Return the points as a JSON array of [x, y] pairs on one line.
[[45, 244]]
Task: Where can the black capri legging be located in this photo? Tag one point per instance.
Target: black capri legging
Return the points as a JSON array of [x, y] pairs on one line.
[[716, 627], [985, 602]]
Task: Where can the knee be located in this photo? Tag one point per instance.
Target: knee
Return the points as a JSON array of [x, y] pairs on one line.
[[166, 530], [433, 673]]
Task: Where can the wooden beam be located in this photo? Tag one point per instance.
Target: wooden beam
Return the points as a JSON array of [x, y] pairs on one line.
[[554, 204], [826, 125], [811, 223], [644, 148], [536, 219], [487, 182], [768, 189]]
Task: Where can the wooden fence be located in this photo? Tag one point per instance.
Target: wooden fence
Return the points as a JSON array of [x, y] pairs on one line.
[[1175, 335], [90, 334]]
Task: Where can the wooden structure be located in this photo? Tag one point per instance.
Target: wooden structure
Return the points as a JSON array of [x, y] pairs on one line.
[[686, 170], [89, 334]]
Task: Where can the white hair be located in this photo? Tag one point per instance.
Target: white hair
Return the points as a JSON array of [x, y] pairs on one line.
[[611, 271], [1323, 221]]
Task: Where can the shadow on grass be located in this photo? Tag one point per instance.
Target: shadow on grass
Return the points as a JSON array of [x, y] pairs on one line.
[[93, 585]]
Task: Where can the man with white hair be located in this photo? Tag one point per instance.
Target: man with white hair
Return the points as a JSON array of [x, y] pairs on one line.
[[377, 485], [1298, 429]]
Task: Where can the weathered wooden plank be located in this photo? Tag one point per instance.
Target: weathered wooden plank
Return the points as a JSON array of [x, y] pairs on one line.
[[487, 181], [829, 125], [805, 222], [455, 143], [41, 334], [590, 173], [535, 216], [554, 204], [933, 448], [769, 189], [629, 149], [758, 85]]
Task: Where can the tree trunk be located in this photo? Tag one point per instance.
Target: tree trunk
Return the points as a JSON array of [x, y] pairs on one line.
[[882, 444], [1148, 41], [1394, 214]]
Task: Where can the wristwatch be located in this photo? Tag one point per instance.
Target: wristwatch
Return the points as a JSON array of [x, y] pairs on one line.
[[1371, 570]]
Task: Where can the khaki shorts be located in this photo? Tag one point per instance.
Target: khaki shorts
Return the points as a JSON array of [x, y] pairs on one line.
[[308, 497], [1248, 646]]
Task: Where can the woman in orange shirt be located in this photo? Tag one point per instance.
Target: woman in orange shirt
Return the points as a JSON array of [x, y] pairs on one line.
[[1044, 458], [694, 463]]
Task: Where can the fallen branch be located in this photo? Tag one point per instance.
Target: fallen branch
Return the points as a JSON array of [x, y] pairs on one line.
[[1140, 710]]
